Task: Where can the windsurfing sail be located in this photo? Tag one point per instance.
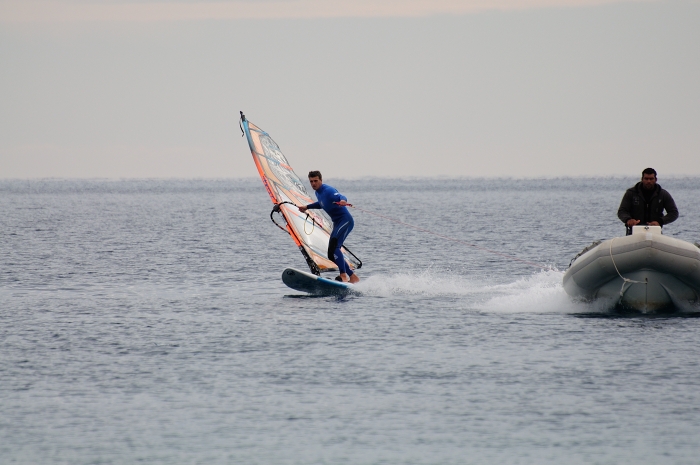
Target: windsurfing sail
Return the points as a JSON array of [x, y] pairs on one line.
[[311, 232]]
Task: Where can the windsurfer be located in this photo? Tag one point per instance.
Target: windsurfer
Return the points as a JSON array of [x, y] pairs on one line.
[[333, 203]]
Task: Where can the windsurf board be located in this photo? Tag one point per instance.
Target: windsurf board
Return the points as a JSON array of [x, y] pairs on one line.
[[316, 285]]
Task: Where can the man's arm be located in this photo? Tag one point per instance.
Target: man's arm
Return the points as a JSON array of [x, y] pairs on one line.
[[625, 210], [338, 197], [671, 209], [311, 206]]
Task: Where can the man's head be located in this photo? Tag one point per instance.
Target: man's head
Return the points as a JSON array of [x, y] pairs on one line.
[[649, 178], [315, 179]]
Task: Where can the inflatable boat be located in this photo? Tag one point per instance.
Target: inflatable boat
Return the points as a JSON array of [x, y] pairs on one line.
[[644, 271]]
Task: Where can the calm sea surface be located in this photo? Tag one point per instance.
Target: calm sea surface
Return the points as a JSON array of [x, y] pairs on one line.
[[146, 322]]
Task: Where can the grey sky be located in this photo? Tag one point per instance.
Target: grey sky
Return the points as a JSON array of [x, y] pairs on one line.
[[592, 90]]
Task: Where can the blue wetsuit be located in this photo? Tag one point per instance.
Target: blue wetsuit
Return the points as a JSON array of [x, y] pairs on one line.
[[342, 223]]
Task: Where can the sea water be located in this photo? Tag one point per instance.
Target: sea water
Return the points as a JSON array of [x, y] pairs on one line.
[[145, 321]]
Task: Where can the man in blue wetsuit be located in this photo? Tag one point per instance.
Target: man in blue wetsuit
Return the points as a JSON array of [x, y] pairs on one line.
[[334, 203]]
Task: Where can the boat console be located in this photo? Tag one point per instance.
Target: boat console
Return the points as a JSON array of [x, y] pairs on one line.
[[646, 230]]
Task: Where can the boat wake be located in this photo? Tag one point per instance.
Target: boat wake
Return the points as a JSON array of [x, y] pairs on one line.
[[423, 283], [541, 292]]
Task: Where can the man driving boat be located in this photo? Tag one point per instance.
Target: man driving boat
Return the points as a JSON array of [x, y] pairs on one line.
[[645, 202]]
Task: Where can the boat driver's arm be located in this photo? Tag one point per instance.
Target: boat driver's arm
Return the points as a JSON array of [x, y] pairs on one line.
[[671, 209], [624, 212]]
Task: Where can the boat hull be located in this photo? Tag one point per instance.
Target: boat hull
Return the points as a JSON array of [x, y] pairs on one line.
[[645, 271]]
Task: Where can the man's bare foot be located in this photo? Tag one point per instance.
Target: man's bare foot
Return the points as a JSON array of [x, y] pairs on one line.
[[354, 279], [344, 277]]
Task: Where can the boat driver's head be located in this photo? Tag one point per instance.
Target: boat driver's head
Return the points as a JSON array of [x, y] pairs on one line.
[[649, 178]]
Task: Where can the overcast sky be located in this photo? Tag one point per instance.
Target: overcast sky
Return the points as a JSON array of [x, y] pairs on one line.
[[123, 89]]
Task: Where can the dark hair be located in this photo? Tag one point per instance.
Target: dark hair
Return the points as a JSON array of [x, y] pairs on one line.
[[649, 171], [315, 174]]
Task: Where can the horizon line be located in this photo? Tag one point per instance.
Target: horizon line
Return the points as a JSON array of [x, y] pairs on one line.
[[442, 177], [44, 11]]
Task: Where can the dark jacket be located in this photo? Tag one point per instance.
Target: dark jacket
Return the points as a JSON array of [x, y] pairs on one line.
[[634, 205]]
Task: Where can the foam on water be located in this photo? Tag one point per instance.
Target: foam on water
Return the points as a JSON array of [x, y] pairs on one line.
[[427, 283], [541, 292]]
